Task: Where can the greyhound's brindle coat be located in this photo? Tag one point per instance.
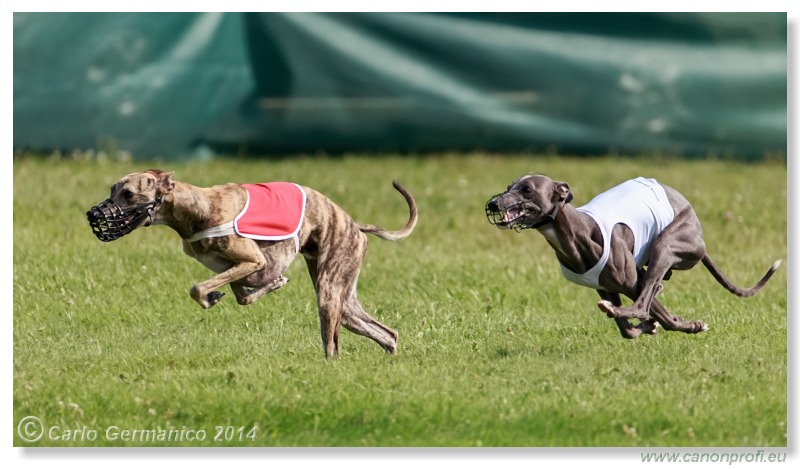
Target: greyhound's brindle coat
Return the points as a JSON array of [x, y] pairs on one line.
[[332, 243], [536, 201]]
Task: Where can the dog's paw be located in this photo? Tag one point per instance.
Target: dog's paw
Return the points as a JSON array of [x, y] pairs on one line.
[[607, 307], [213, 298], [648, 327], [277, 283], [205, 301], [391, 349], [280, 282]]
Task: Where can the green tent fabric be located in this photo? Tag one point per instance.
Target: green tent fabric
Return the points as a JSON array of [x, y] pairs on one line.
[[178, 84]]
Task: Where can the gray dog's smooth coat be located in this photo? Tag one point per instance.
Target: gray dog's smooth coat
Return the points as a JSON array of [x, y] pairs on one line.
[[536, 201], [333, 244]]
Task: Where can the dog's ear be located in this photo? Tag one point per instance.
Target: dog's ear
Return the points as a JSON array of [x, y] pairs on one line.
[[164, 182], [563, 191]]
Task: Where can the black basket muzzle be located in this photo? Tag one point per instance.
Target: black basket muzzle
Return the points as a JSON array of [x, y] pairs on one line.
[[109, 222], [503, 216], [494, 213]]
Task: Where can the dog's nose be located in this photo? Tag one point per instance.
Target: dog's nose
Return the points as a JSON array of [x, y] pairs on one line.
[[492, 205]]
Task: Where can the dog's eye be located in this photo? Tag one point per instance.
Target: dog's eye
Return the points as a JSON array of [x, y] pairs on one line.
[[527, 190], [127, 194]]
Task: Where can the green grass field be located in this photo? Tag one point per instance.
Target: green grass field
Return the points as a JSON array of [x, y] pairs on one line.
[[496, 348]]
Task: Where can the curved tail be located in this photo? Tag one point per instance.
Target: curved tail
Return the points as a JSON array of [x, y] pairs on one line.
[[403, 232], [742, 292]]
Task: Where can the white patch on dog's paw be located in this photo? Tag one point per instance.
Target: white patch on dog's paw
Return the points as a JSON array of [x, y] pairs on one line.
[[649, 328], [607, 307]]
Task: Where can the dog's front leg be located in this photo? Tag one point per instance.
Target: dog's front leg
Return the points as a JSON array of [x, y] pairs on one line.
[[247, 295], [247, 259], [625, 328], [278, 255]]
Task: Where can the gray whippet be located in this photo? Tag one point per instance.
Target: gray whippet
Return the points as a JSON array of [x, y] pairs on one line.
[[623, 242], [208, 219]]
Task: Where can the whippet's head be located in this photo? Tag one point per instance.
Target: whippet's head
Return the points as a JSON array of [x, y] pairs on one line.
[[134, 202], [531, 201]]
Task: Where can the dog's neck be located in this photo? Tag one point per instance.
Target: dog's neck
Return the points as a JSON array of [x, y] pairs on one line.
[[575, 238], [186, 209]]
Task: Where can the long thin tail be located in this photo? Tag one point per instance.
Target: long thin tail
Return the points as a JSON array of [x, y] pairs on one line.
[[743, 292], [403, 232]]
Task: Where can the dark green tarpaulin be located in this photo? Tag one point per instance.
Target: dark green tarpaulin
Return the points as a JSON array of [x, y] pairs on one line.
[[169, 84]]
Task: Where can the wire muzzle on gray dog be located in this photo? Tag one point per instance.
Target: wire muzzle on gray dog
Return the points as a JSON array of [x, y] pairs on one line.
[[507, 217]]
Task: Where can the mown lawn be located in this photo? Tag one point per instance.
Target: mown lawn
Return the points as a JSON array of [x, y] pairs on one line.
[[496, 348]]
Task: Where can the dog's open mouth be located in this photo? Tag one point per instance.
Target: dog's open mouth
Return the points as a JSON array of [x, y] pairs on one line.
[[507, 218], [512, 214], [504, 218]]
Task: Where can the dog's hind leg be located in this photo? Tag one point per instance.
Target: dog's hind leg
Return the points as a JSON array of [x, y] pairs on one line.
[[679, 247], [330, 279], [335, 279], [330, 304], [328, 312], [355, 319], [358, 321], [671, 322]]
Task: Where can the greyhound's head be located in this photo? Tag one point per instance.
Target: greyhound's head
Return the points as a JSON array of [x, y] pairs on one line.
[[133, 202], [531, 201]]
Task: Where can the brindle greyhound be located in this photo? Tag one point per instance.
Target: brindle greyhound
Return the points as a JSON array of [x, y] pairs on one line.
[[671, 240], [332, 243]]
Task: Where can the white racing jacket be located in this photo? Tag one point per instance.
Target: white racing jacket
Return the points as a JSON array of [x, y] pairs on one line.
[[641, 204]]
